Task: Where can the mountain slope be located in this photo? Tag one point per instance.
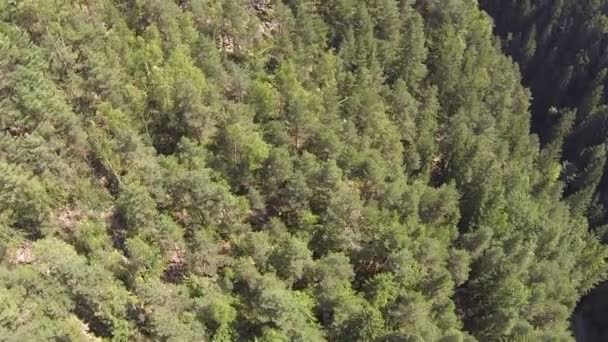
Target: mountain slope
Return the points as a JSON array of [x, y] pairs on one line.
[[296, 170]]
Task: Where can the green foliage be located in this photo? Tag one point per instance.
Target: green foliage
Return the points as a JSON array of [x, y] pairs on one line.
[[218, 170], [558, 46]]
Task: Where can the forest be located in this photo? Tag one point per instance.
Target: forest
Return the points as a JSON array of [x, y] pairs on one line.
[[303, 170]]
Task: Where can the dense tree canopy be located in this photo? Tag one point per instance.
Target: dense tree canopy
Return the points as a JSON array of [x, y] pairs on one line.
[[561, 48], [238, 170]]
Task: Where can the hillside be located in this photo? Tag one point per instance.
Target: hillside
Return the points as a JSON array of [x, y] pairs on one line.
[[238, 170], [561, 48]]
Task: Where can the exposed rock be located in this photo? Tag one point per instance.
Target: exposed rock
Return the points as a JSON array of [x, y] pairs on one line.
[[17, 130], [261, 6], [22, 254], [267, 29], [227, 43], [68, 218], [225, 247], [85, 330], [177, 266]]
